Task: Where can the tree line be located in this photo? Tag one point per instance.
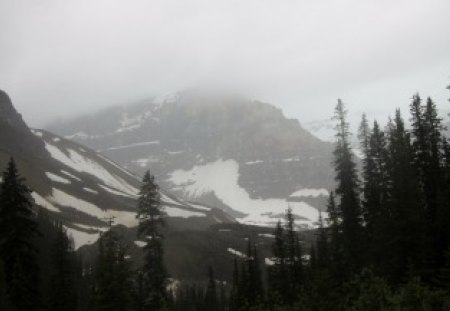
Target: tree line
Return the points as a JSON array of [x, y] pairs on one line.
[[385, 241], [383, 244], [40, 270]]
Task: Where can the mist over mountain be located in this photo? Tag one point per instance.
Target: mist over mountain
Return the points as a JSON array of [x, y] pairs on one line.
[[242, 155]]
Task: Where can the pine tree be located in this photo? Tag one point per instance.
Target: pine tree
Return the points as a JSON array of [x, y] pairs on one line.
[[211, 301], [278, 285], [348, 193], [294, 258], [63, 296], [18, 228], [335, 245], [426, 130], [407, 214], [150, 216], [234, 302], [376, 196], [323, 256]]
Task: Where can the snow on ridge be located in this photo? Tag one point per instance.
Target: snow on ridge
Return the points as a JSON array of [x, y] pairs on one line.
[[42, 202], [56, 178], [83, 164], [37, 133], [145, 143], [116, 192], [81, 238], [221, 178], [254, 162], [90, 190], [116, 166], [182, 213], [62, 198], [307, 192], [70, 175]]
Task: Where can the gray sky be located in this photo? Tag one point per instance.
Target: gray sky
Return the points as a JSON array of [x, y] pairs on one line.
[[61, 58]]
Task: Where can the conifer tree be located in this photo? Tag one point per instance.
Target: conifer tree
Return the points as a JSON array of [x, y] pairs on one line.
[[405, 205], [323, 259], [18, 228], [211, 301], [294, 258], [336, 245], [376, 196], [63, 296], [278, 285], [348, 193], [112, 279], [150, 216], [235, 295]]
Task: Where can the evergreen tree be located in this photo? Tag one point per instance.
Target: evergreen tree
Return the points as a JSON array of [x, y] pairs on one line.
[[150, 216], [235, 295], [294, 258], [426, 130], [278, 285], [112, 283], [323, 255], [18, 228], [63, 296], [211, 301], [334, 225], [348, 193], [376, 196]]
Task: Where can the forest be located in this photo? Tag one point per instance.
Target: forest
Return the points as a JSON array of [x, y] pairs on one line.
[[383, 244]]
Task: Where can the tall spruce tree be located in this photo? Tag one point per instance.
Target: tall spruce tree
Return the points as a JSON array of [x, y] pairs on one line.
[[376, 196], [405, 204], [426, 130], [347, 192], [150, 216], [18, 228]]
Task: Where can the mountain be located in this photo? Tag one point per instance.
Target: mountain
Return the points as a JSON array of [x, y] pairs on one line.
[[81, 187], [240, 155]]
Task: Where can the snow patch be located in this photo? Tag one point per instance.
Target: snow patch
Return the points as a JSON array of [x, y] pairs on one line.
[[57, 178], [146, 143], [310, 193], [80, 163], [90, 190], [182, 213], [81, 238], [140, 243], [37, 133], [221, 178], [236, 253], [39, 200], [70, 175]]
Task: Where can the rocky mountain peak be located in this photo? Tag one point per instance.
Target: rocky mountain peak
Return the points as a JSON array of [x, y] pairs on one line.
[[15, 136]]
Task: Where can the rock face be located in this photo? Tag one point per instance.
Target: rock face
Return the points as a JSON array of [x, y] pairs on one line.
[[14, 130], [82, 188], [243, 156]]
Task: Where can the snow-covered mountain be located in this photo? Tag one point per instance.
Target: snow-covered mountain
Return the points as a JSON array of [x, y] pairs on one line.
[[81, 187], [243, 156]]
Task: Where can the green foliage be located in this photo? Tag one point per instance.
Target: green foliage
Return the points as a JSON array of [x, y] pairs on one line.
[[111, 289], [18, 228], [154, 274]]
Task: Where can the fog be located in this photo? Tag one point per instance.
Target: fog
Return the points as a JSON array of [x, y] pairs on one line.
[[64, 58]]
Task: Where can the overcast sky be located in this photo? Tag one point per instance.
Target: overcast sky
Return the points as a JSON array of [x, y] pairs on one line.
[[62, 58]]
